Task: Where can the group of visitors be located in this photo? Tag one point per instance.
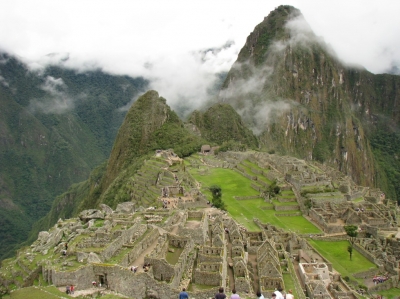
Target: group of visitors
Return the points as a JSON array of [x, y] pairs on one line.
[[379, 279], [70, 289], [221, 295]]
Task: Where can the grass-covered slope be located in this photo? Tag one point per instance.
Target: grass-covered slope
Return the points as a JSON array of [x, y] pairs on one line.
[[149, 125]]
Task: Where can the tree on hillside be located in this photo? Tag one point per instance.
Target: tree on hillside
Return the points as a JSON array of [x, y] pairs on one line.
[[273, 189], [352, 232], [350, 250], [217, 197]]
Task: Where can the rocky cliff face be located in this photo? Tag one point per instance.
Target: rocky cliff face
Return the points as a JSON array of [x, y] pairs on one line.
[[302, 101]]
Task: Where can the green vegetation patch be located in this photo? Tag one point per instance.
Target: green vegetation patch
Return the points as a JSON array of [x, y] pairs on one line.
[[173, 257], [336, 253], [289, 284], [243, 211], [37, 293], [392, 293]]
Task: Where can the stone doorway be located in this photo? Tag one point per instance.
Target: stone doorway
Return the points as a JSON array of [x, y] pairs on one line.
[[102, 279]]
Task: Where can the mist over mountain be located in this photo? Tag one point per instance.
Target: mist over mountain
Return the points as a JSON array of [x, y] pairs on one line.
[[287, 92], [301, 100], [56, 125]]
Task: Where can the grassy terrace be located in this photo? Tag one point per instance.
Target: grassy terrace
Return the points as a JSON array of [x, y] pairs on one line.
[[243, 211], [289, 284], [336, 253], [287, 194], [247, 165], [173, 257]]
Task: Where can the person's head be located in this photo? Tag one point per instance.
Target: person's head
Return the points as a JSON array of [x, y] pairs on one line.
[[258, 294], [183, 289], [233, 291], [290, 291], [273, 296], [280, 289], [221, 290]]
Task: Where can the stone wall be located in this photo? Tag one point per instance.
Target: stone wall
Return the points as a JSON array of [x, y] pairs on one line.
[[197, 235], [288, 214], [211, 278], [365, 253], [196, 214], [81, 278], [206, 258], [162, 270], [250, 177], [257, 187], [116, 245], [242, 285], [366, 274], [139, 248], [286, 208], [246, 197]]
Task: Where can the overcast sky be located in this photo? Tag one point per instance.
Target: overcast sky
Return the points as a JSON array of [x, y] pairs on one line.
[[167, 41]]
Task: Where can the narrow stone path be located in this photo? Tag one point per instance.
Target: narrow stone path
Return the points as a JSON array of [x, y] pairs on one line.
[[229, 261], [253, 262], [139, 262]]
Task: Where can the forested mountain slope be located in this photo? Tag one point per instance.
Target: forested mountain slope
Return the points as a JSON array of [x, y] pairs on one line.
[[56, 125]]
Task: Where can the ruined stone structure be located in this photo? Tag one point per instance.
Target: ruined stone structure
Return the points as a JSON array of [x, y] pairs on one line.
[[187, 243]]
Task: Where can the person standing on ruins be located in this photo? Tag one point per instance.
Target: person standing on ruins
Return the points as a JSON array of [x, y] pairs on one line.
[[278, 293], [183, 294], [259, 295], [289, 295], [220, 294], [234, 295]]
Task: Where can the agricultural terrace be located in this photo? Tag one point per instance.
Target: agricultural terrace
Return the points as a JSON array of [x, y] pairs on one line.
[[336, 252], [234, 184]]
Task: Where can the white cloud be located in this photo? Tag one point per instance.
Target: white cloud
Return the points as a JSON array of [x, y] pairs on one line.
[[166, 40], [4, 81], [58, 101]]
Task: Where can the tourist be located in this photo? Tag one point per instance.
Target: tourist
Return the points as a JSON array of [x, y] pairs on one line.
[[289, 295], [234, 295], [183, 294], [220, 294], [278, 293], [273, 296], [259, 295], [94, 283], [68, 290], [72, 288]]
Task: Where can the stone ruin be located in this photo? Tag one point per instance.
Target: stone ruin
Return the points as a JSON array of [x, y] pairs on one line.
[[186, 249], [200, 248]]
